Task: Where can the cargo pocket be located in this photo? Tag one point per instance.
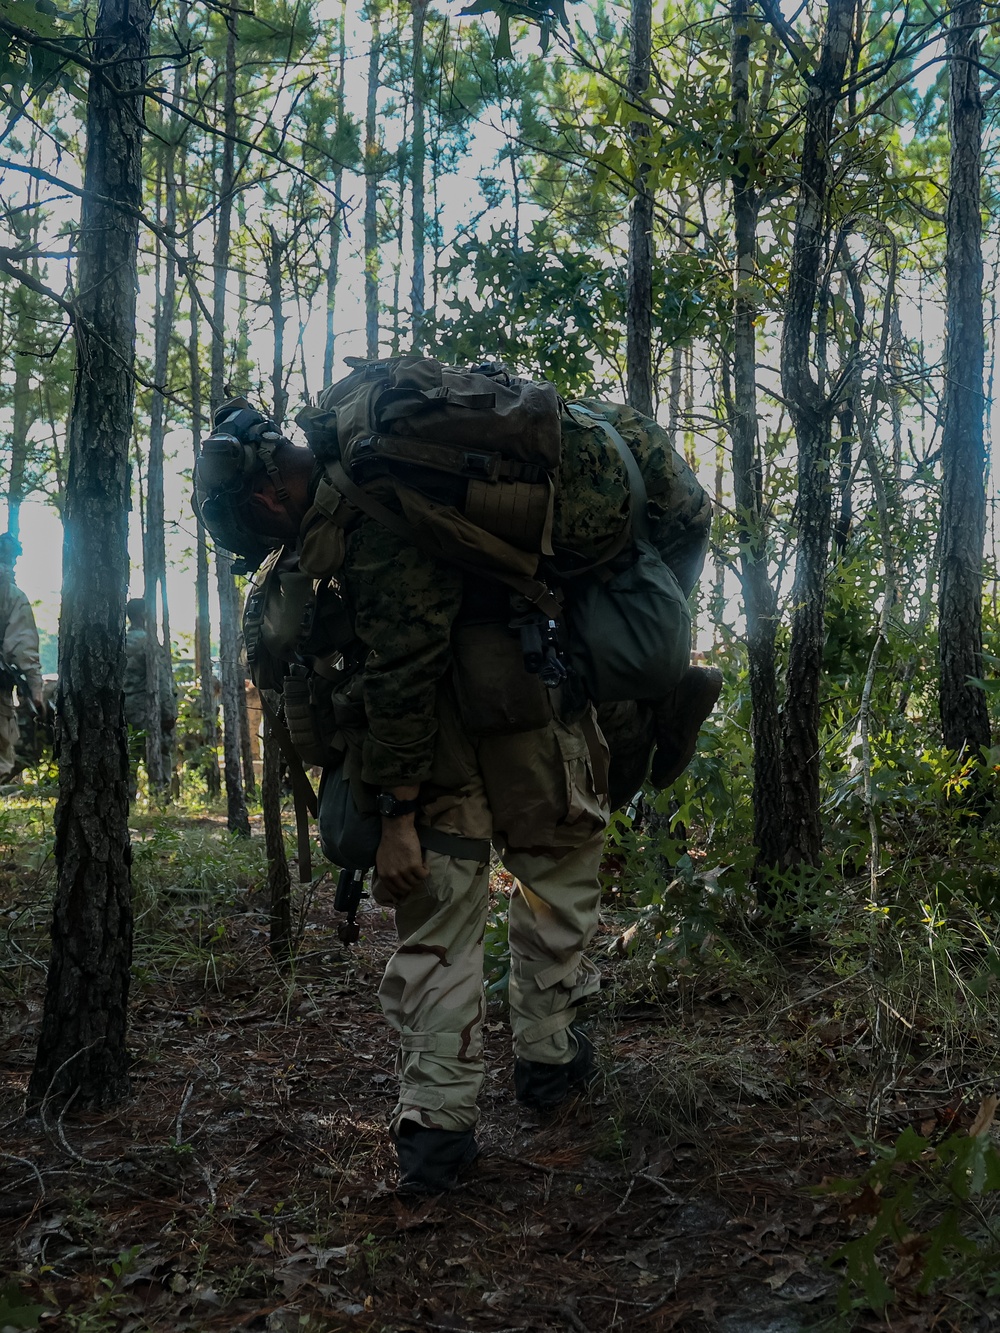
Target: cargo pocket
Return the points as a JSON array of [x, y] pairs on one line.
[[496, 696], [585, 794]]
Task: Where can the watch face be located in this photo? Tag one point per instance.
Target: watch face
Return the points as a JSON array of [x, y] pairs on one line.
[[386, 804]]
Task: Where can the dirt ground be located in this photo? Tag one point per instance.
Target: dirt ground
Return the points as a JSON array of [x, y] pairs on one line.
[[248, 1183]]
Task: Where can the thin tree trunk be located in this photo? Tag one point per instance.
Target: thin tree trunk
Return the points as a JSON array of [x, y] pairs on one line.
[[418, 293], [639, 310], [25, 359], [965, 722], [207, 710], [372, 155], [154, 544], [758, 593], [811, 416], [237, 819], [279, 394], [337, 221], [81, 1048], [20, 410], [279, 880]]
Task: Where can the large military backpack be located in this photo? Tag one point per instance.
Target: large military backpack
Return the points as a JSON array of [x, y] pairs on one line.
[[475, 455]]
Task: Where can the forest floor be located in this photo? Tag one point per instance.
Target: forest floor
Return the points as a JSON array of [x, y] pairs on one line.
[[248, 1183]]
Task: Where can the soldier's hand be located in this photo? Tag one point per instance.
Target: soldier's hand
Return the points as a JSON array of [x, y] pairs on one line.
[[399, 860]]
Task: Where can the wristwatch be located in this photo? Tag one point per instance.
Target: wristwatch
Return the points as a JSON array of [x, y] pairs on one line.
[[391, 807]]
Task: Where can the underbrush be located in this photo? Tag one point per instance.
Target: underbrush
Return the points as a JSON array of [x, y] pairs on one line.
[[861, 994]]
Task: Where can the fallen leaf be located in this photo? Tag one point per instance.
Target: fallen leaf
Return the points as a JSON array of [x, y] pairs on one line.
[[790, 1265], [984, 1117]]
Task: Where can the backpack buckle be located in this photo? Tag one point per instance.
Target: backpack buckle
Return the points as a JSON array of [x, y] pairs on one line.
[[479, 466]]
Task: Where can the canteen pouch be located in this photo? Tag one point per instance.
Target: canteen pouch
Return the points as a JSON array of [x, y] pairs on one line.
[[495, 695]]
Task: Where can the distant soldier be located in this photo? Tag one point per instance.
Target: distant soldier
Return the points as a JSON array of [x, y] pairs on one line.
[[136, 693], [19, 662]]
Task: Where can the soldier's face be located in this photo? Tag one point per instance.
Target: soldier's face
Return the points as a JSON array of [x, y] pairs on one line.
[[279, 518]]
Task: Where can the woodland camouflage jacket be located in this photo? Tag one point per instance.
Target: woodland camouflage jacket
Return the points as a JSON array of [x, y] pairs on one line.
[[405, 602]]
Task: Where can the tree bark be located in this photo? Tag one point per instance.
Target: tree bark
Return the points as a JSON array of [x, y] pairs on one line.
[[811, 415], [965, 722], [154, 543], [21, 410], [418, 296], [337, 220], [237, 819], [279, 880], [371, 188], [81, 1049], [207, 708], [639, 309], [758, 592]]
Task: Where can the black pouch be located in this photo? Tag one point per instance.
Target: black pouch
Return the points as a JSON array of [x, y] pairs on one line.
[[348, 836], [495, 695]]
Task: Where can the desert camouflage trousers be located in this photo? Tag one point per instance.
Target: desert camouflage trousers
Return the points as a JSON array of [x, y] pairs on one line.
[[540, 797]]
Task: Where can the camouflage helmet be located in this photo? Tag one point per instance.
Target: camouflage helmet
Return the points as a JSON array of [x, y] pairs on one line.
[[231, 461]]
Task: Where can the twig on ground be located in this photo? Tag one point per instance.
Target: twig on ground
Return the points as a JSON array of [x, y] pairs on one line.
[[10, 1157], [179, 1124]]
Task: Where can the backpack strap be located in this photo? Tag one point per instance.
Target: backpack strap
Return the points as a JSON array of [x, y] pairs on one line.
[[536, 592]]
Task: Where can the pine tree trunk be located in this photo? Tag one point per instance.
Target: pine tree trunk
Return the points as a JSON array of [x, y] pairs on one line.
[[639, 311], [154, 543], [279, 881], [811, 416], [207, 710], [237, 819], [758, 593], [337, 220], [21, 411], [371, 190], [418, 294], [965, 722], [81, 1049], [279, 394], [25, 333]]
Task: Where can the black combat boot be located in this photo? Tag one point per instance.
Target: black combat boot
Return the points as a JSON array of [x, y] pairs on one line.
[[430, 1159], [545, 1087], [678, 721]]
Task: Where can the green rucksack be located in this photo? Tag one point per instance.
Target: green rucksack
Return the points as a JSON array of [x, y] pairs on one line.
[[482, 440], [475, 456]]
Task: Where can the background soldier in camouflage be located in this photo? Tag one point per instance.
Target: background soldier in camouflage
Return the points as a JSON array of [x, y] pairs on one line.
[[538, 791], [19, 648]]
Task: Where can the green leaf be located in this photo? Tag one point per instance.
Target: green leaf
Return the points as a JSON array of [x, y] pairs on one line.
[[15, 1312]]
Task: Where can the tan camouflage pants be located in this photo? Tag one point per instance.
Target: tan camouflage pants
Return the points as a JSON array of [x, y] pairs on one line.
[[540, 796]]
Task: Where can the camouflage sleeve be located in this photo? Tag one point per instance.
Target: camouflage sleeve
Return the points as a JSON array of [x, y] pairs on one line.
[[404, 605], [20, 643], [679, 509]]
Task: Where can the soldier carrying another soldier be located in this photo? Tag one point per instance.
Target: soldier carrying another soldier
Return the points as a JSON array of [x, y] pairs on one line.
[[19, 661], [464, 722]]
